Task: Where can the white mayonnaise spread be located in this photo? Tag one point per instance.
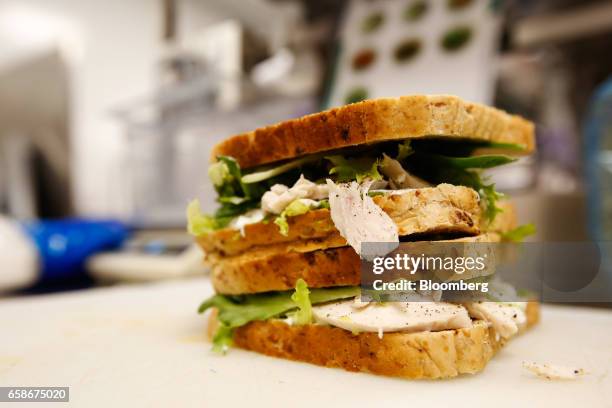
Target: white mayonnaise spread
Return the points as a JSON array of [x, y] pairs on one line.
[[392, 316], [249, 217], [280, 196]]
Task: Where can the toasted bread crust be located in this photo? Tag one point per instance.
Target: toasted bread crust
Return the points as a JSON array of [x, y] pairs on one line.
[[416, 355], [263, 271], [433, 210], [424, 355], [253, 273], [407, 117]]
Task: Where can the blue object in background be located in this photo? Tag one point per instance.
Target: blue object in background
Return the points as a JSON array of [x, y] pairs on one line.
[[65, 245]]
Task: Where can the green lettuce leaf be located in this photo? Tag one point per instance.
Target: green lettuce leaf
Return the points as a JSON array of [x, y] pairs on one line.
[[219, 173], [462, 148], [519, 233], [283, 225], [475, 162], [223, 339], [490, 197], [262, 175], [233, 200], [404, 150], [235, 197], [225, 175], [501, 145], [236, 311], [354, 169], [198, 223], [296, 207], [302, 299]]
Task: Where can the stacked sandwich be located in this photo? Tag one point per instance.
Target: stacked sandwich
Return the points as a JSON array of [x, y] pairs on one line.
[[298, 199]]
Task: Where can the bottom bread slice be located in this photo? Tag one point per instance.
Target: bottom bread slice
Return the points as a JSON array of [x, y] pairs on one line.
[[423, 355]]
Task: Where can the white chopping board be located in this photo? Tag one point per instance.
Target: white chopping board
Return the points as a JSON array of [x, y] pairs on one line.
[[145, 346]]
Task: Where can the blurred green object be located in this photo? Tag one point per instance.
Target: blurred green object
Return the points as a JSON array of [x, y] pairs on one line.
[[456, 38], [372, 22], [416, 11], [407, 50], [356, 95]]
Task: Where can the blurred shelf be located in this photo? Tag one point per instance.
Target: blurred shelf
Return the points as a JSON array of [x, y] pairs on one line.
[[578, 22]]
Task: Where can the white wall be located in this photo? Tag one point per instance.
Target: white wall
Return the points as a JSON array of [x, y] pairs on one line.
[[112, 47]]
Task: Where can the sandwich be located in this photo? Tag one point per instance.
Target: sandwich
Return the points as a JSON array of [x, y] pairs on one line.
[[298, 199]]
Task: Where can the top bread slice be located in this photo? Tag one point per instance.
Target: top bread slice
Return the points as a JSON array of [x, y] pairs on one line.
[[407, 117]]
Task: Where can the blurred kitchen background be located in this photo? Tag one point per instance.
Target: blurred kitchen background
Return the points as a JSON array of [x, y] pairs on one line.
[[108, 109]]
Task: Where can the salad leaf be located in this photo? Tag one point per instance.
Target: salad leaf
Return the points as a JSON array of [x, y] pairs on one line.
[[235, 197], [302, 299], [233, 200], [461, 148], [296, 207], [502, 145], [283, 225], [223, 339], [490, 197], [476, 162], [404, 150], [354, 169], [225, 175], [275, 171], [219, 173], [519, 233], [198, 223], [230, 210], [236, 311]]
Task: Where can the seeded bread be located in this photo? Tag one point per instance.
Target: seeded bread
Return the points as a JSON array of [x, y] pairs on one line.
[[263, 271], [432, 210], [377, 120]]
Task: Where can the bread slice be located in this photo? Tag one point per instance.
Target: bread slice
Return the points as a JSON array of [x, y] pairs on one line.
[[433, 210], [377, 120], [423, 355], [262, 271], [255, 273]]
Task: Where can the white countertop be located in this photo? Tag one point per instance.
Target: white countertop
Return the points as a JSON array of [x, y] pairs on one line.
[[145, 346]]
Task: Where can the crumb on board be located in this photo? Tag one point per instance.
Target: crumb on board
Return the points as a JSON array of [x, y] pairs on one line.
[[553, 371]]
